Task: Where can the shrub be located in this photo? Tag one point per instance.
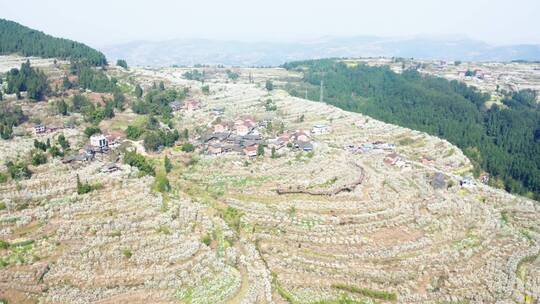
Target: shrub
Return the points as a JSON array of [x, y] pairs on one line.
[[260, 150], [89, 131], [269, 85], [205, 89], [4, 244], [134, 132], [136, 160], [55, 151], [83, 188], [63, 141], [187, 147], [269, 105], [138, 91], [38, 158], [40, 145], [232, 217], [62, 107], [207, 239], [167, 164], [18, 170], [3, 177], [162, 183], [127, 253]]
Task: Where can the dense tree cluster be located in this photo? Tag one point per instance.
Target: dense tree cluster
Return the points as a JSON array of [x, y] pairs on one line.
[[18, 170], [95, 113], [89, 131], [122, 63], [16, 38], [232, 75], [154, 140], [194, 75], [134, 132], [53, 149], [38, 158], [157, 101], [27, 79], [91, 78], [10, 116], [134, 159], [502, 141]]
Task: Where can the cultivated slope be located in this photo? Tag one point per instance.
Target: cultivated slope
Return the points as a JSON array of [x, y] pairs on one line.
[[393, 234]]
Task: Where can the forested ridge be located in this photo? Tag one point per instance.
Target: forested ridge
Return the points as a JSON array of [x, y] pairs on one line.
[[504, 141], [16, 38]]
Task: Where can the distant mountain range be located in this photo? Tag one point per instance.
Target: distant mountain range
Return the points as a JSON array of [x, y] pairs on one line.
[[203, 51]]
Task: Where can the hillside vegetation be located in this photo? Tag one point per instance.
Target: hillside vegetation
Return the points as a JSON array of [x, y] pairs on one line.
[[16, 38], [502, 141]]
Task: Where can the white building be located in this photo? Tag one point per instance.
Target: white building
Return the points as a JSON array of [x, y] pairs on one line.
[[99, 141], [40, 128], [320, 129]]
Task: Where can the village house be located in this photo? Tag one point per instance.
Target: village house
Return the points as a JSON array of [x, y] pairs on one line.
[[191, 105], [301, 135], [218, 111], [320, 129], [220, 128], [81, 157], [176, 105], [53, 129], [366, 147], [426, 160], [305, 146], [99, 142], [393, 159], [285, 137], [40, 129], [109, 168], [466, 182], [114, 138], [232, 148], [214, 149], [244, 126], [276, 143], [250, 122], [251, 151], [383, 146], [217, 137]]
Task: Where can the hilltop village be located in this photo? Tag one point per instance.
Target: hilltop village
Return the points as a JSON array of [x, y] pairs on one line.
[[214, 185]]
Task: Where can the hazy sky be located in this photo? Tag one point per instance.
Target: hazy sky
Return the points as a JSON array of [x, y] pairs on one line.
[[100, 22]]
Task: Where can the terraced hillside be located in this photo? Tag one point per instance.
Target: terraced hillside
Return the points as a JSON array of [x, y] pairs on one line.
[[333, 225]]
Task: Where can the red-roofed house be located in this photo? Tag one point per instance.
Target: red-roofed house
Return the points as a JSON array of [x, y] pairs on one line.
[[251, 151]]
